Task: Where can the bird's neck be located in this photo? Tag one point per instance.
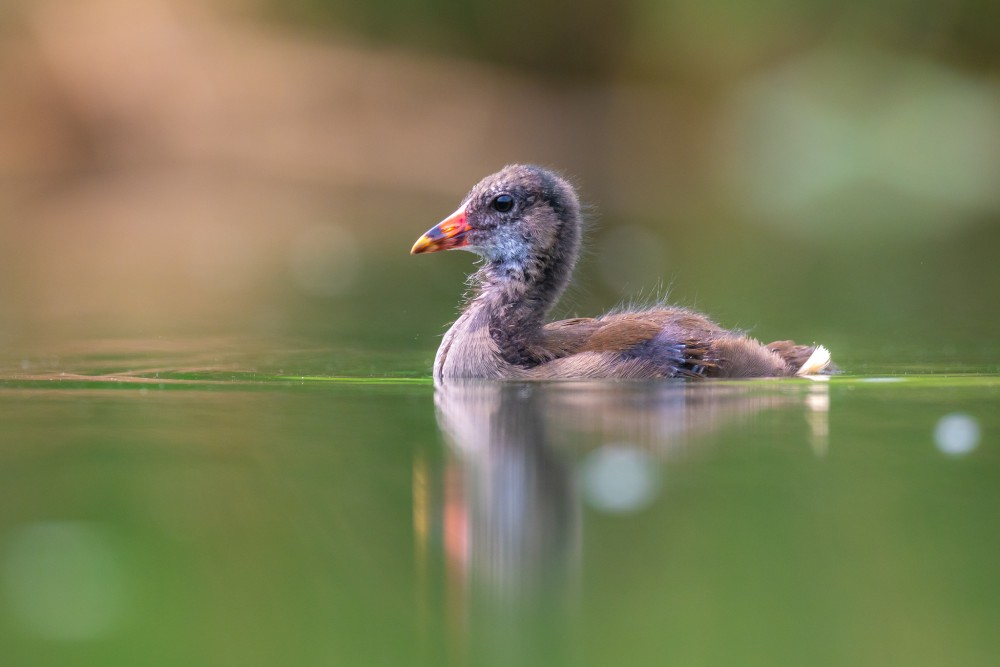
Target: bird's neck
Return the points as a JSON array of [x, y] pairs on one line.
[[516, 298]]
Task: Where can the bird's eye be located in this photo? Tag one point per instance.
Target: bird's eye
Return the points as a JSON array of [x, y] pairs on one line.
[[503, 203]]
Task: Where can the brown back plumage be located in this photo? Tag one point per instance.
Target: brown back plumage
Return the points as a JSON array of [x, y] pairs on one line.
[[704, 349]]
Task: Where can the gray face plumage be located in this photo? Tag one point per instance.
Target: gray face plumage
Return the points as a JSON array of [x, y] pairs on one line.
[[520, 215]]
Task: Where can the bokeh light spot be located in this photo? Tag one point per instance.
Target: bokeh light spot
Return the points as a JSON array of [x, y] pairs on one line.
[[957, 434], [63, 580], [824, 142], [619, 478]]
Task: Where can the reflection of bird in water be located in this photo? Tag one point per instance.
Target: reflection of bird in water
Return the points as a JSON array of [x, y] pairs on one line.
[[519, 511], [510, 523], [521, 458], [511, 515], [525, 223]]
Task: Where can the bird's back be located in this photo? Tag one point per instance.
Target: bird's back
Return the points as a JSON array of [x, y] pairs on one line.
[[660, 342]]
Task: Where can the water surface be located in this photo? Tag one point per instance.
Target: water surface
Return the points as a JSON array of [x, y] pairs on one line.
[[214, 503]]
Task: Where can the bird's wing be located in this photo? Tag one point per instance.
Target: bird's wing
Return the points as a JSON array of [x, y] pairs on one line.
[[622, 333], [567, 337], [624, 345], [665, 342], [618, 332]]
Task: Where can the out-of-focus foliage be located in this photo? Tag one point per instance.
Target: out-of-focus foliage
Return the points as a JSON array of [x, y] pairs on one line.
[[561, 38], [815, 170], [654, 37]]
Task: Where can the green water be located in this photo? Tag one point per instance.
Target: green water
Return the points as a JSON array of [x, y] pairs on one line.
[[209, 504]]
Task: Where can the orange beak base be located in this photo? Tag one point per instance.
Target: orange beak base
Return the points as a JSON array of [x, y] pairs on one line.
[[448, 234]]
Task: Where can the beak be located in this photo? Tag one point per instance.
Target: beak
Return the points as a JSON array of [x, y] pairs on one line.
[[447, 234]]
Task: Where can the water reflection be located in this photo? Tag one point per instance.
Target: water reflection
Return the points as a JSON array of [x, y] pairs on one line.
[[511, 509], [522, 461]]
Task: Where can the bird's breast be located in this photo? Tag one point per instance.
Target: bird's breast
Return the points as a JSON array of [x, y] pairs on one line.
[[469, 351]]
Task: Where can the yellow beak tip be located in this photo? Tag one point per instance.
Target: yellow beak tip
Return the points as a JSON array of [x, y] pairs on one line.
[[420, 246]]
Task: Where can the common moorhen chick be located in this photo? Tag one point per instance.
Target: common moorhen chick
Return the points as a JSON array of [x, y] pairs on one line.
[[524, 221]]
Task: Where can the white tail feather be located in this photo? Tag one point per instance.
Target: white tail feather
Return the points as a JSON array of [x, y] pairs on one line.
[[816, 363]]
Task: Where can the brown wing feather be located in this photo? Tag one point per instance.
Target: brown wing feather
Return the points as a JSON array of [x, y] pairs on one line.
[[567, 337], [611, 334], [621, 334], [699, 360], [618, 332]]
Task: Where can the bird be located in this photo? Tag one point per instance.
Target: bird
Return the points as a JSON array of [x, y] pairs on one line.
[[525, 224]]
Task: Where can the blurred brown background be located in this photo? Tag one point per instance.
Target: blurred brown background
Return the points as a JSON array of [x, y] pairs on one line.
[[816, 170]]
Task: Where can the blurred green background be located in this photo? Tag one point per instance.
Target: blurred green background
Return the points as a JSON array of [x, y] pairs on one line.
[[821, 170]]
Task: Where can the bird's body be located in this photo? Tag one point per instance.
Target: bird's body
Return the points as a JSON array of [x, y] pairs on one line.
[[525, 223]]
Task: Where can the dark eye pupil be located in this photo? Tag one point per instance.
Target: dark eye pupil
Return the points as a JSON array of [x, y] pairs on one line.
[[503, 203]]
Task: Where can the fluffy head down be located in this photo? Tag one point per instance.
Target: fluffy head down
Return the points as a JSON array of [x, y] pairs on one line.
[[522, 213]]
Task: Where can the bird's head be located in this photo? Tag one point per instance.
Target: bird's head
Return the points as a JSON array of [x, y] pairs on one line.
[[519, 213]]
